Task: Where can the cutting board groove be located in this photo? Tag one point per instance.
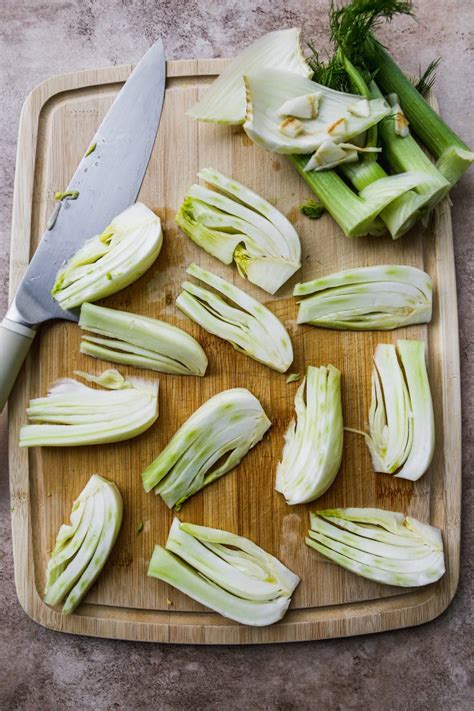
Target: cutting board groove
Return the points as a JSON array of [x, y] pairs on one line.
[[57, 123]]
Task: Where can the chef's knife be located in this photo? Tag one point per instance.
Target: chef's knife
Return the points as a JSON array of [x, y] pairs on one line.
[[108, 180]]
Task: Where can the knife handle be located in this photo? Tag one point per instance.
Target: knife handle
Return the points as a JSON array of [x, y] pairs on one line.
[[15, 341]]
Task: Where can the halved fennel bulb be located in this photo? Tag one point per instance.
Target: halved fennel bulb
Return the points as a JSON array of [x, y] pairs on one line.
[[401, 434], [141, 341], [380, 545], [313, 443], [225, 572], [224, 101], [249, 326], [112, 260], [75, 414], [237, 224], [268, 89], [227, 425], [83, 546], [367, 298]]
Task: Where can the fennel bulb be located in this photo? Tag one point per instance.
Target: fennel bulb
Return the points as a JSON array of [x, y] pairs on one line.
[[224, 101], [83, 546], [225, 572], [367, 298], [237, 224], [312, 453], [227, 425], [249, 326], [74, 414], [380, 545], [112, 260], [144, 342], [401, 436]]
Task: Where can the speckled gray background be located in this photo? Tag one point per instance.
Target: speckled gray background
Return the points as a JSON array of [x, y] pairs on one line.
[[422, 668]]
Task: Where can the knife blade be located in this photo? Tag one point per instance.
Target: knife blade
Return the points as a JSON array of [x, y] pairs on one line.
[[108, 180]]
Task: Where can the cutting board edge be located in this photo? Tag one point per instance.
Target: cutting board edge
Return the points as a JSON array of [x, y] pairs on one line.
[[407, 612]]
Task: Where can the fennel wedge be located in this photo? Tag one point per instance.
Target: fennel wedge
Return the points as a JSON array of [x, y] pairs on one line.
[[112, 260], [74, 414], [312, 453], [224, 101], [367, 298], [238, 225], [401, 435], [225, 572], [227, 425], [249, 326], [83, 546], [144, 342], [384, 546]]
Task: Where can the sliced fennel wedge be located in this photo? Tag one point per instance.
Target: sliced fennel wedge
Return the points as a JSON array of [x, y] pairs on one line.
[[401, 436], [225, 572], [83, 546], [75, 414], [249, 326], [112, 260], [313, 443], [268, 89], [144, 342], [237, 224], [224, 101], [227, 425], [367, 298], [380, 545]]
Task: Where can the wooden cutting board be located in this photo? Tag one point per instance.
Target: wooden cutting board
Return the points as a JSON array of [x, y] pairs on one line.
[[57, 123]]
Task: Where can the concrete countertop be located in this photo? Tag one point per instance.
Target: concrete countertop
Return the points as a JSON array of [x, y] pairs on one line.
[[421, 668]]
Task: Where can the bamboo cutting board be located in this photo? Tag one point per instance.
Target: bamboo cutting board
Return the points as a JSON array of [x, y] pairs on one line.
[[58, 120]]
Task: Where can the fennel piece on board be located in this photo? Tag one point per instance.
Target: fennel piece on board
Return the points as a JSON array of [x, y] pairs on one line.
[[131, 339], [367, 298], [83, 546], [401, 437], [227, 425], [238, 225], [74, 414], [384, 546], [224, 101], [225, 572], [268, 89], [312, 453], [248, 325], [112, 260]]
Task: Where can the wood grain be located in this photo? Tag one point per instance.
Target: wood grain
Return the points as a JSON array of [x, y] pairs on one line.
[[57, 123]]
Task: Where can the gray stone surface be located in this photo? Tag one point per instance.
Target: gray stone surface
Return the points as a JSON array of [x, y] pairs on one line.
[[416, 669]]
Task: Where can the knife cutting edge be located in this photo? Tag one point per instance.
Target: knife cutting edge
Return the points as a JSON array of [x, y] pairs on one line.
[[106, 181]]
